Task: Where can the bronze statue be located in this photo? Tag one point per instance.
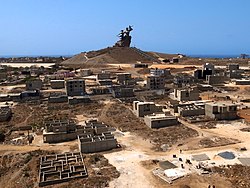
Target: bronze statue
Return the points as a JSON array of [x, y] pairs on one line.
[[125, 38]]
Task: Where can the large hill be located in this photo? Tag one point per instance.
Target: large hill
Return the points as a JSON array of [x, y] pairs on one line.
[[110, 55]]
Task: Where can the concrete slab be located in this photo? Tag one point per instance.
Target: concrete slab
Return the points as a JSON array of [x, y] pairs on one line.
[[166, 165], [200, 157], [244, 161]]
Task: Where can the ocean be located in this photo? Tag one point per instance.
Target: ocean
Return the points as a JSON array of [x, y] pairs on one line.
[[215, 56]]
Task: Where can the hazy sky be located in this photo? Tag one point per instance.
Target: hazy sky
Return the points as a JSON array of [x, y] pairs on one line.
[[66, 27]]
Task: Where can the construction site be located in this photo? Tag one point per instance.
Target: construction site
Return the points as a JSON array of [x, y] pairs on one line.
[[124, 117]]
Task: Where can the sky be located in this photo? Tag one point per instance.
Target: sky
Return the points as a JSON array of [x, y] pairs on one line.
[[68, 27]]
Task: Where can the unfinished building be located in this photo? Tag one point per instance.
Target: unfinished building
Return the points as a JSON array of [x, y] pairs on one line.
[[188, 94], [85, 72], [65, 130], [96, 143], [216, 79], [57, 97], [59, 131], [34, 84], [57, 84], [221, 111], [146, 108], [160, 72], [124, 78], [78, 99], [59, 168], [5, 113], [103, 75], [183, 80], [241, 82], [96, 138], [159, 120], [155, 82], [123, 92], [186, 110], [75, 87]]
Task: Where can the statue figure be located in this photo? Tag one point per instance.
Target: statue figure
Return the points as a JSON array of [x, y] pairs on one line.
[[121, 35], [125, 38]]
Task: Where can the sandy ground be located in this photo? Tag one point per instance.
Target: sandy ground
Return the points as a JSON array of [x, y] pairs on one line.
[[28, 64], [133, 174]]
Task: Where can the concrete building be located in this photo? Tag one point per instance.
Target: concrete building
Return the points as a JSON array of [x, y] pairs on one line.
[[57, 84], [123, 92], [34, 84], [140, 65], [78, 99], [160, 72], [75, 87], [65, 130], [146, 108], [99, 90], [183, 80], [29, 95], [107, 82], [57, 98], [124, 78], [85, 72], [160, 120], [233, 66], [241, 82], [202, 74], [208, 66], [215, 79], [60, 168], [103, 75], [3, 76], [233, 71], [155, 82], [5, 113], [221, 111], [188, 94], [96, 143], [185, 110]]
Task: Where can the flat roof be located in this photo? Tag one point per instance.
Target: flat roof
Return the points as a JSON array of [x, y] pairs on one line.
[[244, 161], [200, 157]]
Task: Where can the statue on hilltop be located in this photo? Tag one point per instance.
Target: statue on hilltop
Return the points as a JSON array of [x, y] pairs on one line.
[[125, 38]]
